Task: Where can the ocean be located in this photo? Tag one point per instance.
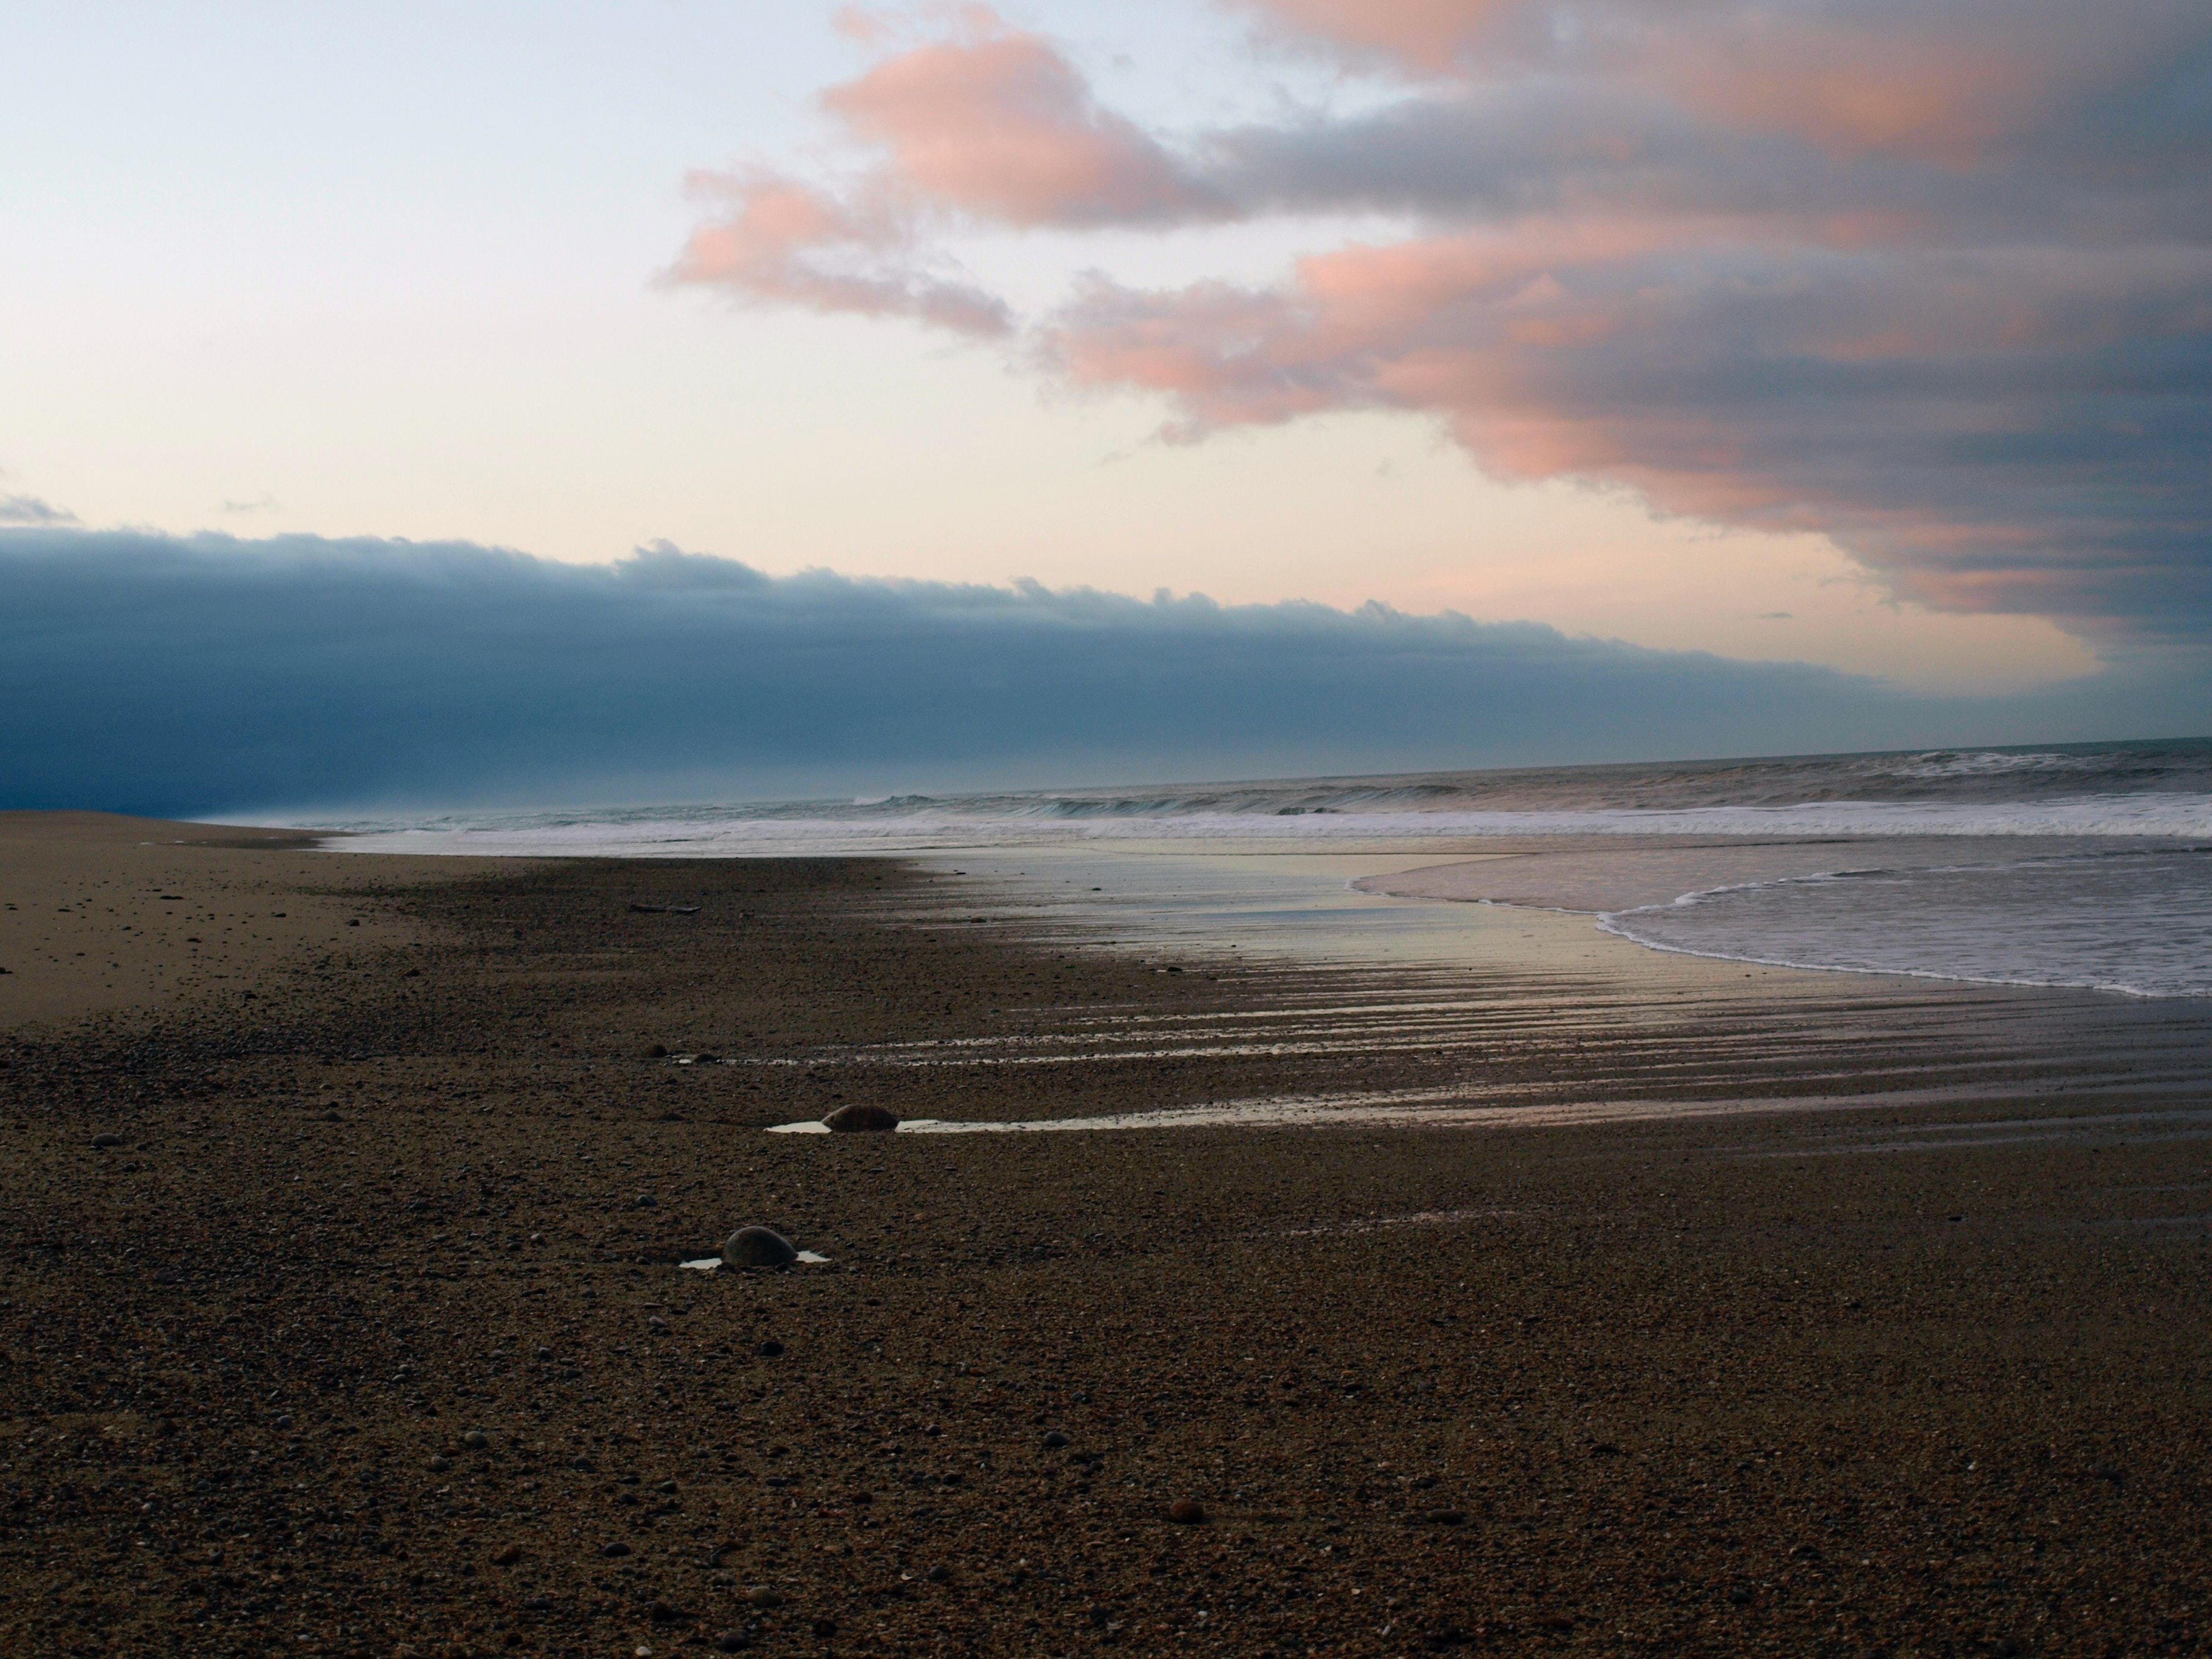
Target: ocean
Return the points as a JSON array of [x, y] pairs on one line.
[[2085, 865]]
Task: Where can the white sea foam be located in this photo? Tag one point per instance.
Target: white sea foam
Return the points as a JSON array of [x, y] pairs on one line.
[[2135, 921], [2175, 817]]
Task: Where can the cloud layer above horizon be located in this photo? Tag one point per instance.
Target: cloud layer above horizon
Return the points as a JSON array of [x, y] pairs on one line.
[[1933, 279], [204, 675]]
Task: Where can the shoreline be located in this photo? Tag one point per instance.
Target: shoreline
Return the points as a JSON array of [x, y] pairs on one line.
[[372, 1336]]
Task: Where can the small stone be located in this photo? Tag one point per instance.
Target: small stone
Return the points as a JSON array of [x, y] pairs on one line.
[[477, 1440], [544, 1353], [731, 1641], [938, 1574], [758, 1247], [106, 1138], [644, 1201], [1444, 1517], [1055, 1440], [825, 1627], [769, 1349], [862, 1118], [506, 1556], [1187, 1512], [761, 1595], [614, 1550], [439, 1465]]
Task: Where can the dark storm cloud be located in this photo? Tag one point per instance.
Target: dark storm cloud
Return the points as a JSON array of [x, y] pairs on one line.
[[210, 674]]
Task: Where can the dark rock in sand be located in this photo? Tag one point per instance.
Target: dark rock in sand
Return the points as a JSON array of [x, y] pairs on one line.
[[862, 1118], [1055, 1440], [758, 1247], [477, 1440], [615, 1549], [111, 1139], [1187, 1512], [769, 1349]]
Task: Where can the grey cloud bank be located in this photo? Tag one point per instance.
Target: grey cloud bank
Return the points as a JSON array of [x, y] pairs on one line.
[[210, 674]]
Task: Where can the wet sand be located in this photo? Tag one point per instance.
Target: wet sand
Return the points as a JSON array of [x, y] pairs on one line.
[[1882, 1330]]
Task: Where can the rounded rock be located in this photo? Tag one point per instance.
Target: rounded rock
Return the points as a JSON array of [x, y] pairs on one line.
[[615, 1549], [1055, 1440], [477, 1440], [758, 1247], [861, 1118], [1187, 1512], [761, 1595], [769, 1349], [106, 1138]]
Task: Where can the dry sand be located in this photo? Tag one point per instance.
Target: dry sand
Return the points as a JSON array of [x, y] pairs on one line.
[[102, 912], [369, 1337]]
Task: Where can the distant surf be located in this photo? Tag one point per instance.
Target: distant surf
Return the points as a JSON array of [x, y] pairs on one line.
[[2085, 865]]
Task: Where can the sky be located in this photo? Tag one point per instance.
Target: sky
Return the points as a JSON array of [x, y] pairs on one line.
[[1875, 337]]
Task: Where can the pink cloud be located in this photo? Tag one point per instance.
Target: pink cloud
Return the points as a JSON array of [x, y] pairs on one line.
[[1940, 80], [1849, 392], [993, 126], [999, 124], [780, 241], [1426, 36]]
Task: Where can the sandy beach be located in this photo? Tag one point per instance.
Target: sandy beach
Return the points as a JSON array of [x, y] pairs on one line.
[[344, 1311]]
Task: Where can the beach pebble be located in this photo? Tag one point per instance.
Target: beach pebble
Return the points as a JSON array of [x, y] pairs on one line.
[[1187, 1512], [477, 1440], [761, 1597], [614, 1550], [439, 1465], [108, 1138], [731, 1641], [1055, 1440], [758, 1247], [859, 1118], [769, 1349]]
